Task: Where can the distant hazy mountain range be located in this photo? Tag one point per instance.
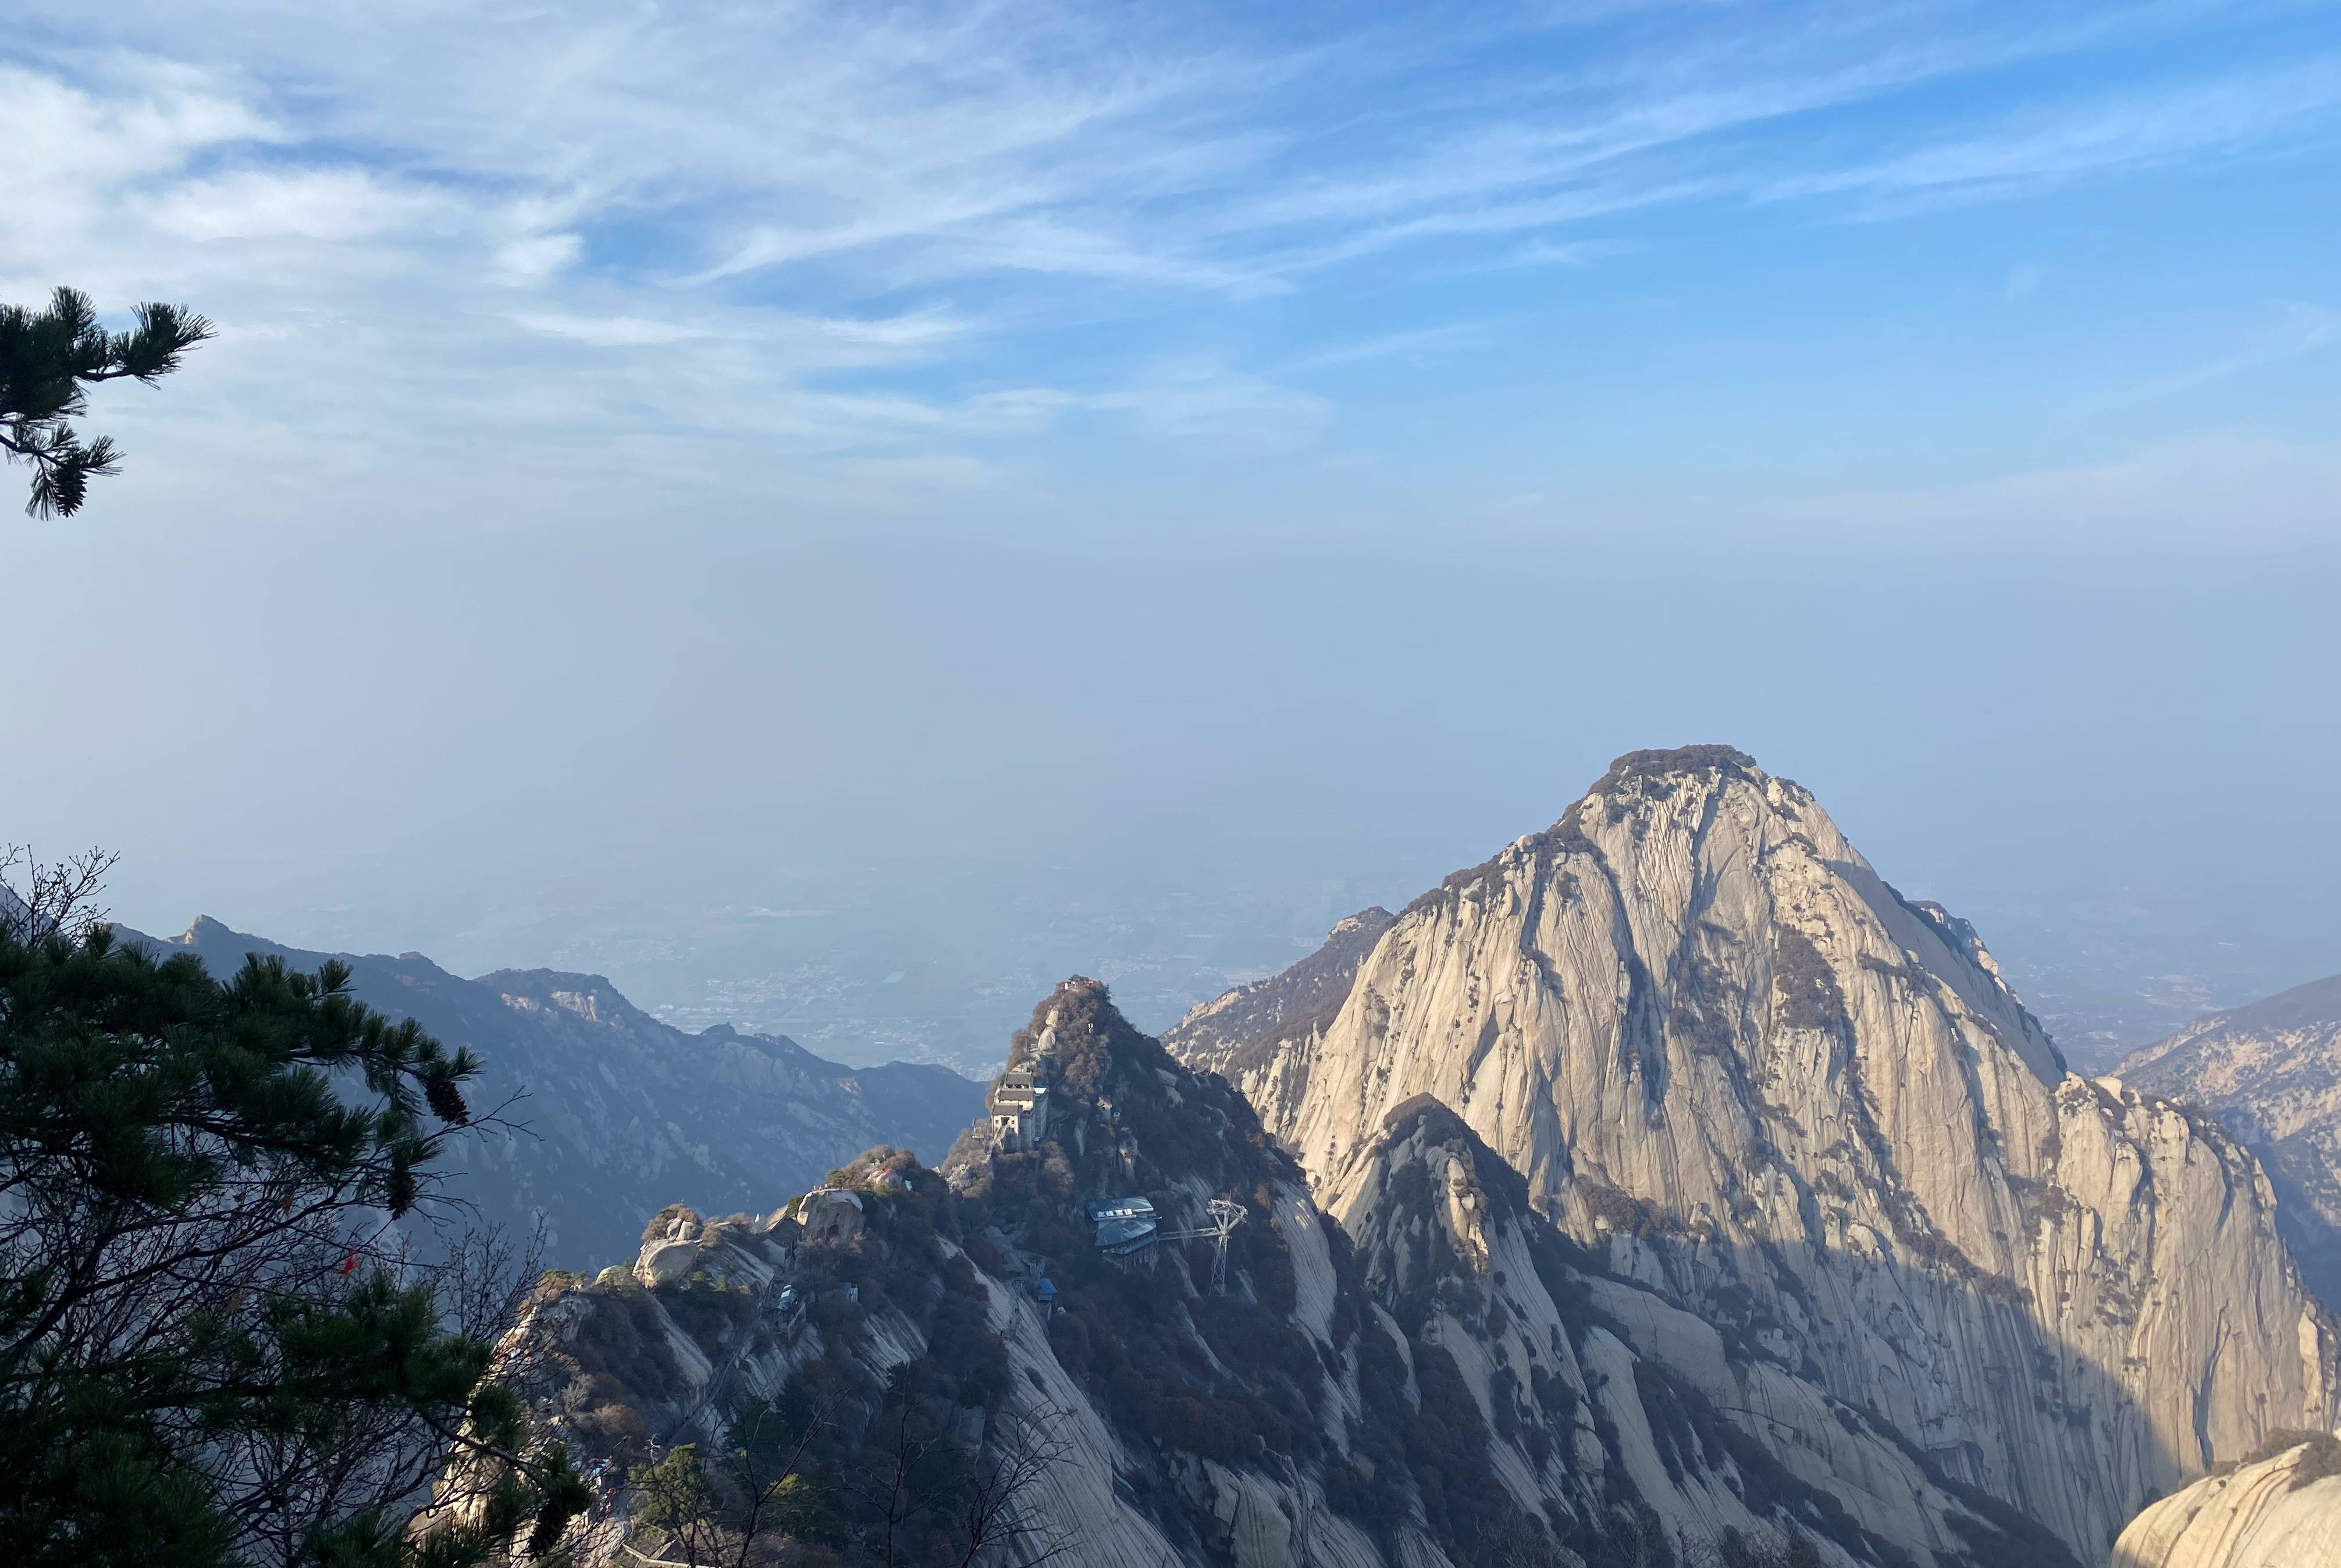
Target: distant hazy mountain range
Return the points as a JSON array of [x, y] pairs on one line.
[[2271, 1073], [622, 1112]]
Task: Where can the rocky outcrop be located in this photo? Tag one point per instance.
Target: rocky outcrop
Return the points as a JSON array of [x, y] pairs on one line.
[[2271, 1073], [2279, 1511], [1443, 1379], [1808, 1111], [671, 1250], [613, 1113], [831, 1218]]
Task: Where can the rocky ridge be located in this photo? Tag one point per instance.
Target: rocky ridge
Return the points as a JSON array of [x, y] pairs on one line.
[[1230, 1033], [1443, 1379], [1720, 1049], [2271, 1073], [618, 1113]]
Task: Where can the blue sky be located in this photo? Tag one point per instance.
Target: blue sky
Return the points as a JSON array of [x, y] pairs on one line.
[[1546, 259], [656, 441]]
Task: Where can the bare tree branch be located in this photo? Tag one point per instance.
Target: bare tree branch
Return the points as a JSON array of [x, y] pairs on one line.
[[998, 1517]]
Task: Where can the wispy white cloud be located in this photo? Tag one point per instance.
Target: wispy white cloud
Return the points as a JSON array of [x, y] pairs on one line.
[[594, 220], [1201, 399], [2303, 330], [2041, 149], [1393, 345], [1540, 252], [331, 205], [537, 258], [608, 331]]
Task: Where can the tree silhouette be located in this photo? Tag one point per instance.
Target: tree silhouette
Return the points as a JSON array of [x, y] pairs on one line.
[[211, 1355], [49, 362]]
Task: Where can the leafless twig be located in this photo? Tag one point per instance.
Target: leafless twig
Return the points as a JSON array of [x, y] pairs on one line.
[[58, 899]]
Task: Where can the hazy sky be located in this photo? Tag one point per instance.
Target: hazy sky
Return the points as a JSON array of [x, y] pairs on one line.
[[654, 450]]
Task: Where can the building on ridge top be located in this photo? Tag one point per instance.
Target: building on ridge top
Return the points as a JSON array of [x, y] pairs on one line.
[[1020, 1109]]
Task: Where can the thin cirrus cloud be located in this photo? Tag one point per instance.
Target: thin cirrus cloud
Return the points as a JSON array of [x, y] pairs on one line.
[[952, 198], [2123, 134], [840, 341], [2302, 329]]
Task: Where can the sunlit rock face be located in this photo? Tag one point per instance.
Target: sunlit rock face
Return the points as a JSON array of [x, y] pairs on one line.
[[2271, 1072], [1809, 1111], [1442, 1380], [1595, 1384], [2283, 1511]]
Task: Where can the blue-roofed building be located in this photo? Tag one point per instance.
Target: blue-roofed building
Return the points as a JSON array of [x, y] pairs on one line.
[[1126, 1229]]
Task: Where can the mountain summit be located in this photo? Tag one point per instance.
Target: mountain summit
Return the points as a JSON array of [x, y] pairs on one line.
[[1719, 1045]]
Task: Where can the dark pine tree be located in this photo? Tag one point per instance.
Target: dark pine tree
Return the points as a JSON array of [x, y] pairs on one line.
[[210, 1353], [48, 362]]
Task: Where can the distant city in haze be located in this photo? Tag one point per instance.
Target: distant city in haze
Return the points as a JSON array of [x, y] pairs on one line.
[[861, 971]]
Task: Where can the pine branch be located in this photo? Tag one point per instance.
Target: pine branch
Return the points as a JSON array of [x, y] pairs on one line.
[[49, 362]]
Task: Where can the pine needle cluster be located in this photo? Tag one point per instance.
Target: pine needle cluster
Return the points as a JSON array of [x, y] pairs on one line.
[[50, 359], [214, 1351]]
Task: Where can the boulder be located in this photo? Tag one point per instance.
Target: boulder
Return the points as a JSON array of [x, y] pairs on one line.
[[2281, 1511], [831, 1218], [665, 1262]]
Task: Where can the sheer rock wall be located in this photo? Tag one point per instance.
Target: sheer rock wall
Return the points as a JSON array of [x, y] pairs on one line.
[[2271, 1073]]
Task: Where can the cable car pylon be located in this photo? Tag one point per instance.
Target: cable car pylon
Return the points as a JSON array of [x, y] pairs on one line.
[[1226, 1214]]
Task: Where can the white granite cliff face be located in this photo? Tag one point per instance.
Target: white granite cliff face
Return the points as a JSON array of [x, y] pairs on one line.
[[2280, 1511], [1443, 1380], [1594, 1385], [2271, 1073], [1811, 1113]]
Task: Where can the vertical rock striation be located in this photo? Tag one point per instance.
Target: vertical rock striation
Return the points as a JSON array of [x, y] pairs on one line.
[[1810, 1112], [2271, 1073], [1443, 1379]]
